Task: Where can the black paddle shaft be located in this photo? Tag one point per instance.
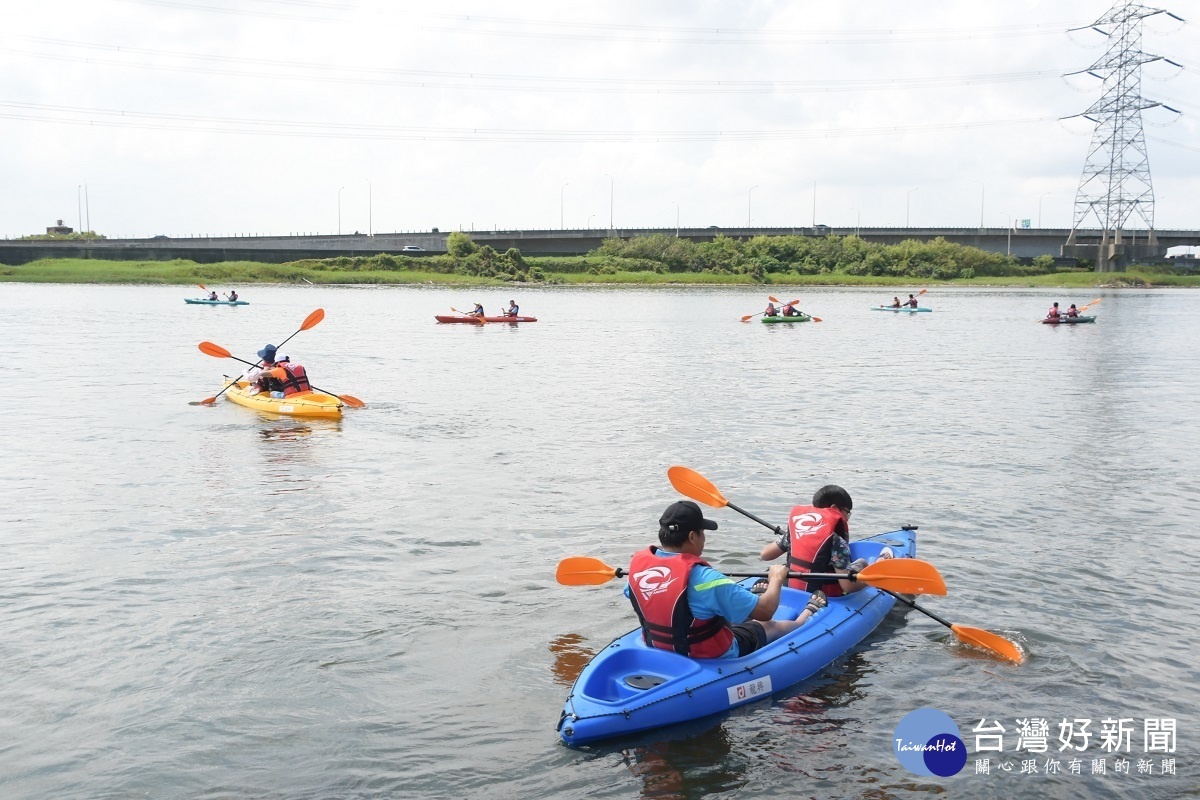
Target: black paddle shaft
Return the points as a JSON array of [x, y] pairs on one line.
[[244, 361], [816, 577], [257, 363]]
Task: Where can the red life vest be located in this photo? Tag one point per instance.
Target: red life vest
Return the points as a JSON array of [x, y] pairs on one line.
[[811, 530], [658, 590], [295, 380], [1053, 313]]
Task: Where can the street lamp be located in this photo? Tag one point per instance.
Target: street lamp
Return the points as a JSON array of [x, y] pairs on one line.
[[858, 224], [79, 205], [1044, 195], [907, 199], [589, 225], [749, 194], [814, 203], [562, 204], [676, 204], [340, 209], [981, 190], [370, 210], [1010, 230], [611, 185]]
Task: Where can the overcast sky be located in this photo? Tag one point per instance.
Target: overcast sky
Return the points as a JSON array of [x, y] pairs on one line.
[[213, 117]]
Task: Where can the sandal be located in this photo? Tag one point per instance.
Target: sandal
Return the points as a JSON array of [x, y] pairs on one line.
[[760, 586], [817, 602]]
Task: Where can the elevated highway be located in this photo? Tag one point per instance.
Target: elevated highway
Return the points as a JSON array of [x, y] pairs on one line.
[[1026, 243]]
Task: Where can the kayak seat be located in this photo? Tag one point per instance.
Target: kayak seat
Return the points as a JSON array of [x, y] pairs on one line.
[[610, 683]]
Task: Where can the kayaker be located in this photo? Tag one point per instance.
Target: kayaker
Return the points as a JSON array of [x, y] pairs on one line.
[[513, 309], [771, 312], [477, 311], [791, 311], [688, 607], [258, 380], [232, 295], [818, 540], [1053, 313], [912, 301], [1072, 311], [213, 296], [292, 378], [895, 302]]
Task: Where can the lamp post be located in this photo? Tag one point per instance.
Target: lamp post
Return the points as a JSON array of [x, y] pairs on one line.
[[676, 204], [981, 190], [611, 185], [79, 205], [814, 203], [1044, 195], [562, 205], [589, 225], [340, 209], [858, 223], [370, 210], [907, 204], [1010, 230], [749, 195]]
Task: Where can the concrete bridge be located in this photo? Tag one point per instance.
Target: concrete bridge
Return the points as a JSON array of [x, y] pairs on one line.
[[1115, 253]]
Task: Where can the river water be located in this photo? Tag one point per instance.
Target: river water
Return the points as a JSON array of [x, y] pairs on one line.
[[206, 602]]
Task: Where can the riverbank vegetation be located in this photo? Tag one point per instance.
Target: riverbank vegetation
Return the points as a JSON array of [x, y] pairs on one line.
[[657, 259]]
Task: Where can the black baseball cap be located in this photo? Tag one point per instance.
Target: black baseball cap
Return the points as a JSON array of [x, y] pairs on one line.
[[686, 516]]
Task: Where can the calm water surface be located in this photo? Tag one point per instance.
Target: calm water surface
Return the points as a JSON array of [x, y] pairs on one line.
[[205, 602]]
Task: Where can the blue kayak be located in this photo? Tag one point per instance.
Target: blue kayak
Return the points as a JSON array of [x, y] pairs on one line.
[[196, 301], [907, 309], [630, 687]]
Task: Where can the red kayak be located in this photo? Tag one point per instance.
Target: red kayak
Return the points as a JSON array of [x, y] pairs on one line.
[[475, 320]]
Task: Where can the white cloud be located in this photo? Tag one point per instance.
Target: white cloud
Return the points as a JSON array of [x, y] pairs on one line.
[[352, 69]]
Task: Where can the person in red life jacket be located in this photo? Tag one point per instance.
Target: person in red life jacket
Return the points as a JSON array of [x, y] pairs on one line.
[[232, 295], [817, 540], [770, 312], [477, 311], [895, 302], [513, 309], [791, 311], [688, 607], [1053, 313], [293, 379], [912, 301], [213, 296], [1072, 311]]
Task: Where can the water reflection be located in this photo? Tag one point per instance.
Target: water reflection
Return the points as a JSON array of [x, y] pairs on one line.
[[686, 768], [570, 657]]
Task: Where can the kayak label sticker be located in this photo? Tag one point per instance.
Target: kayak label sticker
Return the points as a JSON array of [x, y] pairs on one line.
[[749, 690], [652, 581], [287, 408]]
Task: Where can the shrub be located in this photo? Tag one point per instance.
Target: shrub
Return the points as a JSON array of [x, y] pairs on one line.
[[459, 245]]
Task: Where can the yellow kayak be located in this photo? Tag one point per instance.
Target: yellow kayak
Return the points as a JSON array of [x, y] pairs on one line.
[[305, 404]]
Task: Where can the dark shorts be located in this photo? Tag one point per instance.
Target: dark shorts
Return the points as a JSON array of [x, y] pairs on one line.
[[749, 636]]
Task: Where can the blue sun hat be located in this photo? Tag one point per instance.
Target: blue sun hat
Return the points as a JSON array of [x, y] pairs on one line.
[[267, 353]]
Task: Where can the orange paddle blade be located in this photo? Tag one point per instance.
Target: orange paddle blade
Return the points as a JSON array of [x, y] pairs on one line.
[[904, 575], [816, 319], [583, 571], [312, 319], [208, 401], [351, 400], [1089, 305], [985, 640], [214, 350], [202, 286], [923, 291], [773, 299], [749, 317], [690, 483]]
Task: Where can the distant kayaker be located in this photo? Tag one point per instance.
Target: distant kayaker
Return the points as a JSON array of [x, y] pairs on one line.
[[895, 302], [292, 378], [513, 309], [790, 311], [213, 296], [1072, 311], [771, 312], [232, 295], [477, 311], [1053, 313], [912, 301], [690, 608], [818, 540]]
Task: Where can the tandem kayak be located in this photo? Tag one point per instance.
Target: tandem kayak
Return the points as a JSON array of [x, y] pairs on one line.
[[772, 320], [1068, 320], [906, 309], [475, 320], [305, 404], [630, 687], [198, 301]]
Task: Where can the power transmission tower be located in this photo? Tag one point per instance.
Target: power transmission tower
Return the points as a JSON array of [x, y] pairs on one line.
[[1115, 185]]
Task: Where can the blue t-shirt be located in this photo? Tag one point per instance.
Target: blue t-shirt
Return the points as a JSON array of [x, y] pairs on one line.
[[711, 593]]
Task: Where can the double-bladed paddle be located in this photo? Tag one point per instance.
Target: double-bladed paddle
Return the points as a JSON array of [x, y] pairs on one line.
[[692, 484], [216, 351], [309, 322], [907, 575], [479, 320]]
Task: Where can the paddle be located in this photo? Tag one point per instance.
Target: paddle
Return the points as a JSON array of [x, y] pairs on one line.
[[810, 316], [902, 574], [692, 484], [1089, 305], [216, 351], [309, 322], [749, 317], [479, 320]]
